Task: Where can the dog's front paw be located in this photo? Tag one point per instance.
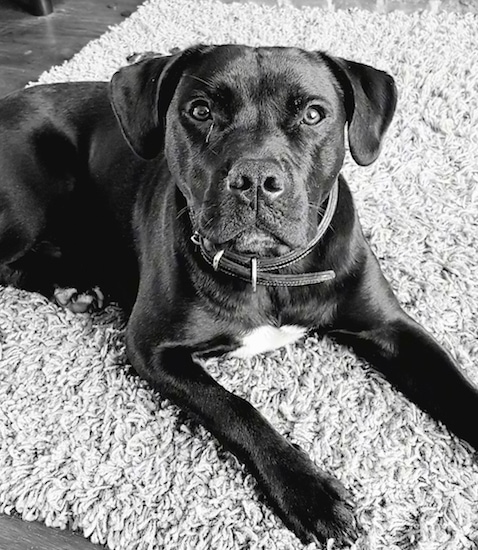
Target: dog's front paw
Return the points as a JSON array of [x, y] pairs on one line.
[[314, 505]]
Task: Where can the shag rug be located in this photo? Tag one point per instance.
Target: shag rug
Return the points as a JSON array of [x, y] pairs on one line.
[[86, 446]]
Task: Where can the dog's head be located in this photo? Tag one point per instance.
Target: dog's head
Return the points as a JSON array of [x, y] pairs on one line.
[[254, 137]]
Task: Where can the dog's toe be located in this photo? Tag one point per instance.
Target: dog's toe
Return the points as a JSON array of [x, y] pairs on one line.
[[62, 296]]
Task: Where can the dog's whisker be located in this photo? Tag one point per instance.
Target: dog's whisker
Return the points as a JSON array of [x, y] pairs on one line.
[[182, 212], [317, 207]]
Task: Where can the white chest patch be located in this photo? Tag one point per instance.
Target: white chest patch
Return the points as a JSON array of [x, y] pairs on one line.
[[267, 338]]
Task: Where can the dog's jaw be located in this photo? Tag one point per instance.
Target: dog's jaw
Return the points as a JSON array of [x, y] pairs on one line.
[[259, 242]]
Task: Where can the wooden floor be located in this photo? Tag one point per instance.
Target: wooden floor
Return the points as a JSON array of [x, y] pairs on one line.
[[16, 534], [28, 46]]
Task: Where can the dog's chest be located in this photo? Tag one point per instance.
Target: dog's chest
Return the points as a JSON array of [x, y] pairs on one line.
[[267, 338]]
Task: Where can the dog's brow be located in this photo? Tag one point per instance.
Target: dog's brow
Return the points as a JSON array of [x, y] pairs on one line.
[[209, 84], [306, 97], [220, 93]]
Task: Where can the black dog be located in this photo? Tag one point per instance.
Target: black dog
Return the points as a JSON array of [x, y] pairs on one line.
[[202, 191]]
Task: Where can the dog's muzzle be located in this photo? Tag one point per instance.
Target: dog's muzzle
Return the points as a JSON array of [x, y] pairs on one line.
[[261, 271]]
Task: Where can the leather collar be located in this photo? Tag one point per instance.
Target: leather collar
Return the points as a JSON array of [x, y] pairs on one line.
[[257, 271]]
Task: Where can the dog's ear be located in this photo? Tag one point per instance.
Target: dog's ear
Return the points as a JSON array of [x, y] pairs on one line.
[[370, 98], [140, 95], [134, 96]]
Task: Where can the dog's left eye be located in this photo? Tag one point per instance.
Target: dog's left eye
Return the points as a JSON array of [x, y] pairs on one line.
[[313, 115], [200, 111]]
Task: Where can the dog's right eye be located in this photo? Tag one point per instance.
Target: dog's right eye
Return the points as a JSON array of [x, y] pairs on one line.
[[200, 110], [313, 115]]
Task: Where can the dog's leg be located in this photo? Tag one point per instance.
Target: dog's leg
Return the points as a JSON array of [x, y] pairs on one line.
[[42, 269], [32, 262], [373, 323], [311, 503]]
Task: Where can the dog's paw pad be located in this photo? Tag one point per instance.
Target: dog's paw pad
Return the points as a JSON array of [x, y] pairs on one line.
[[79, 302]]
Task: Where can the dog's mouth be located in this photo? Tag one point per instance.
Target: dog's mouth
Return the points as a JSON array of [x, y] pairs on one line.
[[258, 242], [255, 237], [251, 241]]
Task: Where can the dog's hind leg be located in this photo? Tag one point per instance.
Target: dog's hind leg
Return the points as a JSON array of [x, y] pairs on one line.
[[43, 269], [32, 263], [37, 250]]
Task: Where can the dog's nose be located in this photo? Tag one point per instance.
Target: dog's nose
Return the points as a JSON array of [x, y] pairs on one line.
[[248, 176]]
